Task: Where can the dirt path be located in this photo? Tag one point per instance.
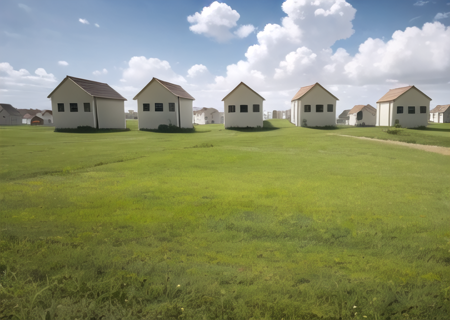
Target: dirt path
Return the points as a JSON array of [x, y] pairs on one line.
[[441, 150]]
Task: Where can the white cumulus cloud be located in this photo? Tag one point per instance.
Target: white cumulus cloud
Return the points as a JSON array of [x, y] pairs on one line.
[[97, 25], [441, 16], [63, 63], [216, 21], [83, 21], [420, 3], [100, 72], [244, 31]]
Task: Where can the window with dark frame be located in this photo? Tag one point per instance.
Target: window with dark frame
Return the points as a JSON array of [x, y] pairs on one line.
[[243, 108], [359, 115], [146, 107], [256, 108], [307, 108], [319, 107], [411, 110], [423, 109], [171, 106], [87, 107], [74, 107], [399, 110], [159, 107], [329, 108], [231, 108], [60, 107]]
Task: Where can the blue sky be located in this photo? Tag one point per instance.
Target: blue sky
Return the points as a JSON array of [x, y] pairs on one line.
[[357, 49]]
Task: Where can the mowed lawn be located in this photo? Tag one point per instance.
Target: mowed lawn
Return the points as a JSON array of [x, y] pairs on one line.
[[288, 223]]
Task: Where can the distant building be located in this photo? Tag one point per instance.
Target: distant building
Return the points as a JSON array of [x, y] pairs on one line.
[[313, 106], [208, 115], [46, 115], [27, 114], [36, 121], [408, 105], [131, 114], [440, 114], [162, 102], [243, 107], [365, 115], [343, 117], [9, 115], [80, 102]]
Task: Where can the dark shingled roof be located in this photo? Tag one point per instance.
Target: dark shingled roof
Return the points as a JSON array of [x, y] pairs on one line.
[[440, 108], [393, 94], [344, 115], [304, 90], [10, 109], [247, 87], [175, 89], [93, 88]]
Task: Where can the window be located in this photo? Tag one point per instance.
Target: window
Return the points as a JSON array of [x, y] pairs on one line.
[[74, 107], [146, 107], [423, 109], [329, 108], [359, 115], [171, 107], [231, 108], [60, 107], [243, 108], [206, 118], [307, 108], [411, 110], [319, 107], [159, 107], [49, 120], [87, 107], [399, 110], [256, 108]]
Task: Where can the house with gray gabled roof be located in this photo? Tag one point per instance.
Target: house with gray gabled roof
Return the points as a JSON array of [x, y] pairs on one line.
[[313, 106], [9, 115], [343, 117], [440, 114], [80, 102], [408, 105], [161, 102]]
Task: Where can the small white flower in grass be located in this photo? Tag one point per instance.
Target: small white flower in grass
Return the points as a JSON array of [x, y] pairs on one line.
[[354, 307], [182, 309], [178, 286], [364, 316]]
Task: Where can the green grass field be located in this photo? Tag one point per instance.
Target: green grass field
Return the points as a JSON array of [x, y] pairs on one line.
[[288, 223]]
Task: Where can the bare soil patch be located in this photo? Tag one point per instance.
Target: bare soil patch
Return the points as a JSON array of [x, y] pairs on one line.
[[441, 150]]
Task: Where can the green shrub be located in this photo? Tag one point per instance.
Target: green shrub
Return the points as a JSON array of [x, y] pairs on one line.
[[88, 129], [397, 124]]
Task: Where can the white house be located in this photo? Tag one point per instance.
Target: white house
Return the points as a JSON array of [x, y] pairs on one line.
[[243, 107], [313, 106], [46, 115], [161, 102], [365, 115], [9, 115], [343, 118], [27, 114], [79, 102], [440, 114], [408, 105], [208, 115]]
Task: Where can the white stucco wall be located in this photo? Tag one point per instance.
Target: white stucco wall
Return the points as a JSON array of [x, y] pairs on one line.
[[315, 96], [369, 119], [185, 112], [68, 93], [208, 116], [156, 93], [414, 98], [243, 96], [111, 113], [47, 116], [440, 117]]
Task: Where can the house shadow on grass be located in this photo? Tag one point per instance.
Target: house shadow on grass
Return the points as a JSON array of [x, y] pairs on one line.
[[326, 128], [267, 126], [431, 129], [87, 129]]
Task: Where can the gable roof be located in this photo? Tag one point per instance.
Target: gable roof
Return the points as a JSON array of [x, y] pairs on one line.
[[175, 89], [304, 90], [29, 111], [93, 88], [393, 94], [11, 110], [204, 109], [359, 107], [440, 108], [48, 111], [242, 83], [344, 115]]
